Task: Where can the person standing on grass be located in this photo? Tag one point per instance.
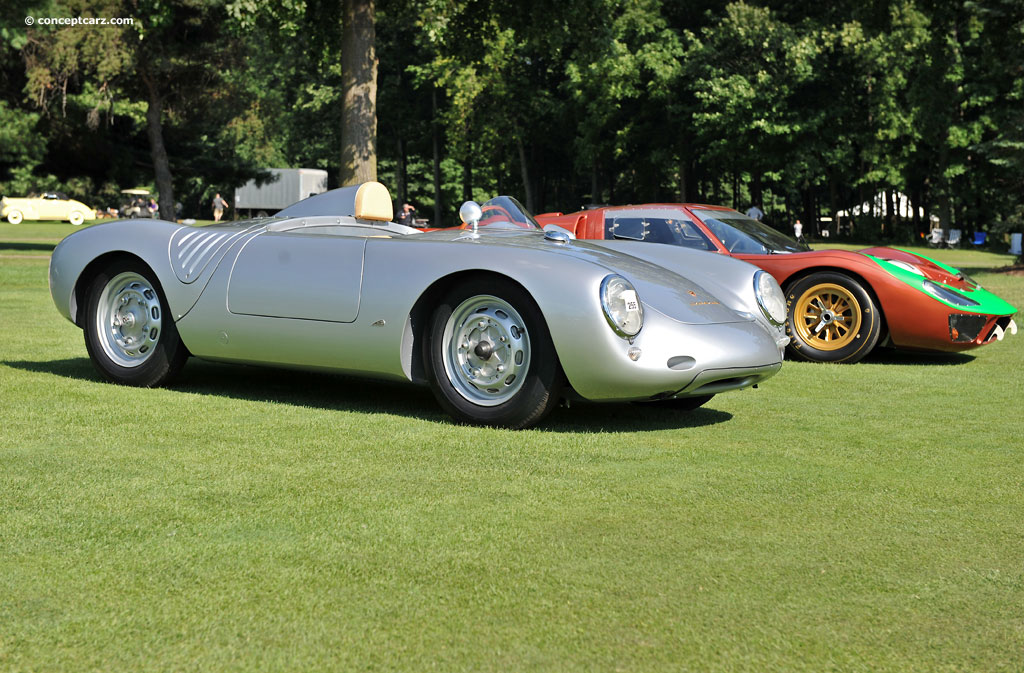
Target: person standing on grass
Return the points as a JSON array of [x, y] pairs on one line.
[[219, 205]]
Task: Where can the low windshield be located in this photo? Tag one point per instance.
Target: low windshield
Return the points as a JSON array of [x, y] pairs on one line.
[[743, 235], [504, 212]]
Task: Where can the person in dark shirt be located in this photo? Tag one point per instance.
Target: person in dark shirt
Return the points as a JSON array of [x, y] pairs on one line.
[[219, 205], [407, 216]]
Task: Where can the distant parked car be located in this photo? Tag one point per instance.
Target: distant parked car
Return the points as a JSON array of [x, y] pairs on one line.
[[49, 206]]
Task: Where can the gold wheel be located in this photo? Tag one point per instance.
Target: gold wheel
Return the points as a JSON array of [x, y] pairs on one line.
[[827, 317]]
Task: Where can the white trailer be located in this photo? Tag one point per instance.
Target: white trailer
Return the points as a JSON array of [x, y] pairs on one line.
[[286, 187]]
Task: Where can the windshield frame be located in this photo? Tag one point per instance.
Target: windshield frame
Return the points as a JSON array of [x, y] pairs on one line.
[[516, 216]]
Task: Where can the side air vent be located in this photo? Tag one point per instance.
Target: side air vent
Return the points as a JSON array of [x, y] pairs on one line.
[[192, 250]]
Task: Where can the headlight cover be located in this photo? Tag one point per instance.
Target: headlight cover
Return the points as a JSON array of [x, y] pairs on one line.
[[621, 306], [947, 295], [770, 297], [906, 266]]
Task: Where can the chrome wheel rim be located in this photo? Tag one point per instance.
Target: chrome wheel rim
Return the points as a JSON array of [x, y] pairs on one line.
[[486, 350], [827, 317], [128, 319]]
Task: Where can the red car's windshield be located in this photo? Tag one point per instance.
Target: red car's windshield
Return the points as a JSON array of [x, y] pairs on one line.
[[743, 235]]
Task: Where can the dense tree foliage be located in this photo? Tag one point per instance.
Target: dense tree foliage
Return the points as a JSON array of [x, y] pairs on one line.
[[806, 109]]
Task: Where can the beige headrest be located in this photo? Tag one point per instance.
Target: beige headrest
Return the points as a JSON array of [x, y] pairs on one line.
[[373, 202]]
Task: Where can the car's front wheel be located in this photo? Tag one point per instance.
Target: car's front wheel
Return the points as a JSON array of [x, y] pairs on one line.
[[76, 217], [490, 356], [15, 216], [831, 318], [129, 331]]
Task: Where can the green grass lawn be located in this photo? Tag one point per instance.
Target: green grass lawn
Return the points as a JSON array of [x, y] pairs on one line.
[[840, 518]]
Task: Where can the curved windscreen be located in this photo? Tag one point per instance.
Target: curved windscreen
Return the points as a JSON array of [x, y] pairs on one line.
[[743, 235], [504, 212]]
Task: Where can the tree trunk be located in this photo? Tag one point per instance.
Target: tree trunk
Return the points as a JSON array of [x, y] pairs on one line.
[[833, 198], [359, 83], [403, 196], [682, 181], [735, 188], [524, 167], [467, 178], [161, 166], [435, 131]]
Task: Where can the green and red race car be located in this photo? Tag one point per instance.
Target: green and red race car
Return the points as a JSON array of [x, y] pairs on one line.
[[841, 304]]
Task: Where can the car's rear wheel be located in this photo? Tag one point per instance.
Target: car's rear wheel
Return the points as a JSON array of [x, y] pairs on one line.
[[490, 356], [15, 216], [129, 333], [76, 217], [831, 318]]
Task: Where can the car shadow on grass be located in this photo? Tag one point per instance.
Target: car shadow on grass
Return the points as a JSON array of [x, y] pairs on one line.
[[341, 393], [26, 246], [889, 356]]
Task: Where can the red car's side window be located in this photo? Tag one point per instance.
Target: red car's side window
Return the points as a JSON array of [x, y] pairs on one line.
[[673, 228]]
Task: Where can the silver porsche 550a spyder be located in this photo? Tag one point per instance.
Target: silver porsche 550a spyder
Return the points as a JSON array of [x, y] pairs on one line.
[[502, 319]]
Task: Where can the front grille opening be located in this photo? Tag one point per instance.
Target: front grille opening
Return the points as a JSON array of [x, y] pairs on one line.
[[965, 327]]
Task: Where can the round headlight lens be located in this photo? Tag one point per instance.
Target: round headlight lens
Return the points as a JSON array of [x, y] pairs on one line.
[[621, 306], [770, 297]]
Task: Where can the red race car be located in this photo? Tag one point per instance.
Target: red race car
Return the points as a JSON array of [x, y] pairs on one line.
[[842, 304]]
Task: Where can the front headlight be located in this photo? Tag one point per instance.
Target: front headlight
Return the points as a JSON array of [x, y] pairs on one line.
[[621, 306], [947, 295], [770, 297]]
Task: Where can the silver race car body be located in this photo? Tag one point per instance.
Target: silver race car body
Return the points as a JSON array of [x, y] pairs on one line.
[[502, 320]]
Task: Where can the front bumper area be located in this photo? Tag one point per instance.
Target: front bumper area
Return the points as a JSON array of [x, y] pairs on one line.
[[972, 329], [673, 359]]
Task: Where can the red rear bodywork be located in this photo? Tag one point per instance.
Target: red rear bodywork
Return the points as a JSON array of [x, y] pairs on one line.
[[914, 319]]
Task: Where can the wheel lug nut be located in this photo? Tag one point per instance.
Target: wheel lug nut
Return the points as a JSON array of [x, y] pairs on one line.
[[501, 368]]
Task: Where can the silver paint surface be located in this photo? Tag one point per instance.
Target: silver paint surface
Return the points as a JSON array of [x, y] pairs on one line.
[[330, 292]]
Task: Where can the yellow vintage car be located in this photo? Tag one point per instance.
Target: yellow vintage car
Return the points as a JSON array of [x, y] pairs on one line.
[[49, 206]]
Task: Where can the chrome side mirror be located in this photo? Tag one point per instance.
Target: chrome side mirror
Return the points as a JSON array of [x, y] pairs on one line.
[[470, 214]]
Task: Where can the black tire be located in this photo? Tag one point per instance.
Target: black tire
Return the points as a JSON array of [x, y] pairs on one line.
[[472, 384], [831, 318], [678, 403], [161, 353]]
